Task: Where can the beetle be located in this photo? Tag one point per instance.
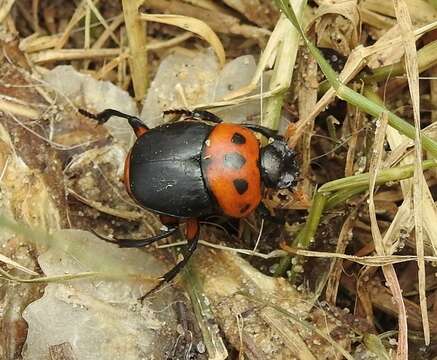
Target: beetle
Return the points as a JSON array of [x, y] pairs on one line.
[[199, 166]]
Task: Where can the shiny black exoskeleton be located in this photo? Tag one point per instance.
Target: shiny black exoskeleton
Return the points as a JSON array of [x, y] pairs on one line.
[[191, 168]]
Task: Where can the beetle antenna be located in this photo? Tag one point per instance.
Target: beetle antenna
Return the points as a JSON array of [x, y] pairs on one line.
[[185, 112], [197, 114], [87, 114], [137, 125]]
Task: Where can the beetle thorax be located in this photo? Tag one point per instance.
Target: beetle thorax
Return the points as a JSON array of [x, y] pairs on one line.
[[279, 168]]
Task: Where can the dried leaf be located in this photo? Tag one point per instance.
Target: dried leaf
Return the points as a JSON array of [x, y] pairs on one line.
[[191, 24]]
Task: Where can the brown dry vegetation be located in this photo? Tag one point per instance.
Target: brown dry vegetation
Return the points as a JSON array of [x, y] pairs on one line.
[[362, 280]]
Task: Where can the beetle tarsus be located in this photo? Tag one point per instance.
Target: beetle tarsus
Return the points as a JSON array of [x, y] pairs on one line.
[[192, 235], [170, 275]]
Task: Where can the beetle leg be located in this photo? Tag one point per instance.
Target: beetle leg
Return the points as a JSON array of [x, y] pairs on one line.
[[168, 220], [137, 125], [265, 131], [192, 235], [195, 114], [265, 214], [137, 243], [206, 116]]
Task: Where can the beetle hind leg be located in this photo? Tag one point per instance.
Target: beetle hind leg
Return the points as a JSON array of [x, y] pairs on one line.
[[137, 243], [192, 235]]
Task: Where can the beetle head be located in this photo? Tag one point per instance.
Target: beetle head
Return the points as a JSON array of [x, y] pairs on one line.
[[279, 169]]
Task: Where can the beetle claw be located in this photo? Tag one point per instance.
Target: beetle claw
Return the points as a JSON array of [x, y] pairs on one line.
[[161, 281]]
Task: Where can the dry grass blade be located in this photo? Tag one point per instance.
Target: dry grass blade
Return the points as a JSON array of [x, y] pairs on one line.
[[404, 220], [336, 267], [77, 16], [122, 214], [205, 316], [347, 9], [72, 170], [205, 4], [5, 9], [109, 31], [102, 20], [403, 17], [87, 34], [292, 339], [268, 56], [376, 20], [304, 324], [49, 279], [195, 26], [388, 270], [220, 20], [421, 10], [156, 45], [10, 262], [375, 164], [76, 276], [271, 255], [354, 64], [72, 54], [284, 68], [307, 99], [18, 109], [136, 33], [371, 261], [95, 53], [36, 42]]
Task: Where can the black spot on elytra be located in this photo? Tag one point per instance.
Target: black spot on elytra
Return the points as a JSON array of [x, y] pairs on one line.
[[244, 208], [238, 139], [241, 186], [234, 160]]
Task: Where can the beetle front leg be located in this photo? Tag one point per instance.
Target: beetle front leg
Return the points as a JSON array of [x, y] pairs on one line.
[[197, 114], [192, 235], [206, 116], [265, 131], [137, 125]]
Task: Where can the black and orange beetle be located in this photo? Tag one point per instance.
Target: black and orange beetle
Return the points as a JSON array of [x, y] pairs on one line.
[[199, 166]]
